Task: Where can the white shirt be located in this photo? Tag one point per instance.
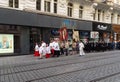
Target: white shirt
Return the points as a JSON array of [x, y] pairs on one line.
[[56, 46], [42, 50], [43, 44], [48, 50], [81, 45], [36, 48], [51, 45]]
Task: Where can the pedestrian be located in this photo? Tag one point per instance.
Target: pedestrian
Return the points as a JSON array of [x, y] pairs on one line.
[[48, 52], [62, 45], [74, 47], [51, 45], [67, 48], [81, 48], [43, 44], [36, 52], [42, 51], [56, 48]]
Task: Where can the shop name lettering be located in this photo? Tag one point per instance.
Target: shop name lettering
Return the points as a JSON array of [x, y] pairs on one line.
[[101, 27]]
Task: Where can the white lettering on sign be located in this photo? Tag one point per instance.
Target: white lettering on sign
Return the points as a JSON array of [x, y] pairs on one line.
[[101, 27]]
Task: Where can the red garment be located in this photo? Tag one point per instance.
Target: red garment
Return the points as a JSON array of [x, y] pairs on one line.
[[52, 52], [36, 53], [47, 55], [63, 33]]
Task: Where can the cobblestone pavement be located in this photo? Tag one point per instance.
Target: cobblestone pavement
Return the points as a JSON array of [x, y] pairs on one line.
[[93, 67]]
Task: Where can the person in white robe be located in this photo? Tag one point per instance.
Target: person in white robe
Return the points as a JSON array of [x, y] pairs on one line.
[[42, 51], [36, 52], [56, 48], [51, 45], [48, 51], [81, 49]]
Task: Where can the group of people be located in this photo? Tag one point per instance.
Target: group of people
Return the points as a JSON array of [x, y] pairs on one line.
[[101, 46], [56, 48], [47, 50]]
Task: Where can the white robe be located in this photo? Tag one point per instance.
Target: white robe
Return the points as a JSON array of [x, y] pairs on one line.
[[81, 49], [36, 48], [48, 50], [56, 46], [51, 45], [42, 51]]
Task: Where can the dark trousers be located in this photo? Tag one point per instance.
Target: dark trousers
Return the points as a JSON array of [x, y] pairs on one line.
[[66, 51], [57, 53], [61, 51]]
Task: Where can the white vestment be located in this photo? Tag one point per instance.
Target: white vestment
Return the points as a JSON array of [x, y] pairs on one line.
[[81, 49]]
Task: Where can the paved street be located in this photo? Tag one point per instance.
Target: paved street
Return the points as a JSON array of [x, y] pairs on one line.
[[93, 67]]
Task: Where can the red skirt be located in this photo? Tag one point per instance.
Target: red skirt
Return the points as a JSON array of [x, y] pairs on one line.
[[52, 51], [47, 55], [36, 53]]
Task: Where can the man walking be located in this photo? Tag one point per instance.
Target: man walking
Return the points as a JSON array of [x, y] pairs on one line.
[[81, 48]]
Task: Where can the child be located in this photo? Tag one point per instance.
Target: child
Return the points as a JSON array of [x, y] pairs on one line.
[[48, 51], [36, 53]]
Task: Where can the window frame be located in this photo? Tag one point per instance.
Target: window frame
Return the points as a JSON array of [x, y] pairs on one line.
[[13, 3], [47, 6], [80, 11], [70, 9], [55, 6], [38, 4]]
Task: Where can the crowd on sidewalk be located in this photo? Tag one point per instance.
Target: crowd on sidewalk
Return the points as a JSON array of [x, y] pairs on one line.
[[101, 46], [57, 48]]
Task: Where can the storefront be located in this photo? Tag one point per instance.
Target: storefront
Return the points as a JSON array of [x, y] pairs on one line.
[[116, 32], [101, 32], [24, 29], [85, 28]]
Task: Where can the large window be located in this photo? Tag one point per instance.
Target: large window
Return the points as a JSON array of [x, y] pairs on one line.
[[55, 6], [118, 19], [94, 14], [99, 13], [112, 16], [103, 16], [14, 3], [38, 4], [70, 9], [47, 6], [80, 11]]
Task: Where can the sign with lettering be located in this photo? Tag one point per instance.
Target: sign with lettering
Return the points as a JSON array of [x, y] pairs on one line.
[[101, 27]]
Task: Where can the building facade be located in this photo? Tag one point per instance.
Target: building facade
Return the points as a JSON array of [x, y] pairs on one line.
[[30, 21]]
